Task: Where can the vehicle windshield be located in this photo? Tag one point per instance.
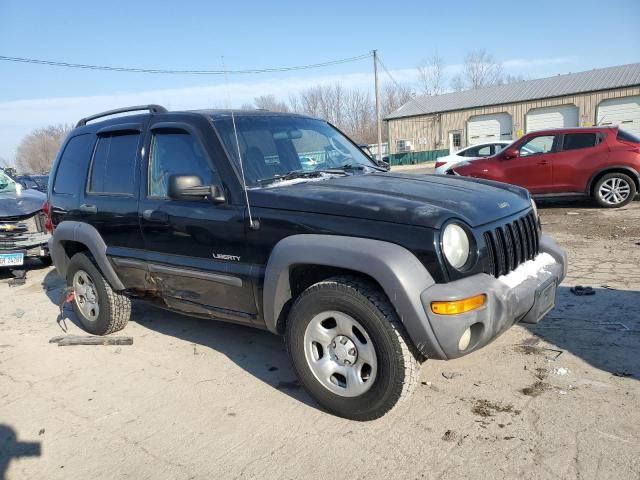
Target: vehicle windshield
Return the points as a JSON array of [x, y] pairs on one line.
[[275, 147], [7, 184], [627, 136]]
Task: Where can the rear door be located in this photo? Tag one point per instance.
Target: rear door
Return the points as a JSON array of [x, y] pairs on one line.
[[578, 159], [195, 248], [532, 169], [109, 200]]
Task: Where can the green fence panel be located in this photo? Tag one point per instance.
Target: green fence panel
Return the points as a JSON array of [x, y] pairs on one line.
[[413, 158]]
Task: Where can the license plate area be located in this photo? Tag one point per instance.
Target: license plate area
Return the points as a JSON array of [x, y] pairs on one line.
[[545, 299], [11, 259]]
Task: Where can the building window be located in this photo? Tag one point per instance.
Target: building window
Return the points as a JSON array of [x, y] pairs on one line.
[[403, 146], [456, 139]]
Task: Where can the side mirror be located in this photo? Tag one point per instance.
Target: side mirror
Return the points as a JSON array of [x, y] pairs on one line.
[[383, 164], [190, 187], [511, 153]]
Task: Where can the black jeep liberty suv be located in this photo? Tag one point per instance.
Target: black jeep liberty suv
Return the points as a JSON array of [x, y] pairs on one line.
[[280, 222]]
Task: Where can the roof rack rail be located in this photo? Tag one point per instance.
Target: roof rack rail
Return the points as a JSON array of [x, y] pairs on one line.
[[151, 108]]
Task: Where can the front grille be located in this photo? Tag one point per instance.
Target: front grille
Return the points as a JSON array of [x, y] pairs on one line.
[[511, 244], [20, 233]]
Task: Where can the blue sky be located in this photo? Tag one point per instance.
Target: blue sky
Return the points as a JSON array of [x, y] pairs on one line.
[[534, 39]]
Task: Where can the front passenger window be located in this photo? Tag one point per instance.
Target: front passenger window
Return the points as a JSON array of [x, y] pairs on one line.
[[176, 153], [537, 145]]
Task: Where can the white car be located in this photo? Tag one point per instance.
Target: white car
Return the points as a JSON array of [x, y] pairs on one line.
[[471, 152]]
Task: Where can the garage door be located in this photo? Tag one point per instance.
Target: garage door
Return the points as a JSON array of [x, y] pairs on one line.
[[561, 116], [623, 111], [487, 128]]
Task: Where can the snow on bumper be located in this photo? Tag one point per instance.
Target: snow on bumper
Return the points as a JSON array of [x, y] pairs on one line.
[[524, 295]]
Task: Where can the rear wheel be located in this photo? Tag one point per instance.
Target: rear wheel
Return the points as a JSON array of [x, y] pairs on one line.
[[349, 349], [614, 190], [100, 309]]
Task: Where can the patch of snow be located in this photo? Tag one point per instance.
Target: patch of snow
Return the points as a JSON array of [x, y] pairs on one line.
[[561, 371], [528, 269]]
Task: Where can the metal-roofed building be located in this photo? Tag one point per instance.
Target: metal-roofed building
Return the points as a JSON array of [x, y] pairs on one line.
[[427, 127]]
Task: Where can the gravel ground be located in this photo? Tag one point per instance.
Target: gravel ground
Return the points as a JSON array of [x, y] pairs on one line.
[[195, 399]]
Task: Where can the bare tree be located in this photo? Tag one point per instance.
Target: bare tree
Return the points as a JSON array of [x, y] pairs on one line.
[[480, 70], [431, 75], [509, 78], [457, 83], [269, 102], [393, 96], [360, 116], [38, 149]]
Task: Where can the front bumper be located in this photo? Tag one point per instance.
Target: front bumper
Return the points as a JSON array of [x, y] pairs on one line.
[[521, 297], [29, 244]]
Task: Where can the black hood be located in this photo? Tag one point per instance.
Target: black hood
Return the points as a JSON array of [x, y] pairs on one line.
[[423, 200], [14, 204]]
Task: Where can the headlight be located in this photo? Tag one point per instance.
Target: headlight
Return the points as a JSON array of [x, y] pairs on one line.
[[455, 245], [535, 213]]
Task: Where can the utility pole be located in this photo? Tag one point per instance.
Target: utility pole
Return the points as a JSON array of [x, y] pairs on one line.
[[378, 119]]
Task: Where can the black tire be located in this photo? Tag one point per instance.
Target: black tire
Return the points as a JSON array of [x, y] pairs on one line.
[[46, 261], [114, 308], [609, 177], [397, 363]]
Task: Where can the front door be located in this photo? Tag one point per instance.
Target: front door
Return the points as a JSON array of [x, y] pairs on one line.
[[532, 168], [195, 248]]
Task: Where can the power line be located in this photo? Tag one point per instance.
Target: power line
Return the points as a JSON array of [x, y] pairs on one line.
[[413, 97], [52, 63]]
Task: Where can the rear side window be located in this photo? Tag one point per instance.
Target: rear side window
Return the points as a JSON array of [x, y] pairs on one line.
[[73, 164], [627, 136], [114, 162], [575, 141]]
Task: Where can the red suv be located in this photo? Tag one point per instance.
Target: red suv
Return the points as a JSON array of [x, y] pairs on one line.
[[602, 162]]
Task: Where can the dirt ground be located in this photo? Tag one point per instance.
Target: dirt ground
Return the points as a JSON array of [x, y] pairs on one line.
[[192, 399]]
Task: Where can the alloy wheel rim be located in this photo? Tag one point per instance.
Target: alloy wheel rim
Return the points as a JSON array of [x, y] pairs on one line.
[[86, 295], [614, 191], [340, 354]]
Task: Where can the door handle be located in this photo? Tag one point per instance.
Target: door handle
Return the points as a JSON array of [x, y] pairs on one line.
[[155, 216], [88, 208], [543, 162]]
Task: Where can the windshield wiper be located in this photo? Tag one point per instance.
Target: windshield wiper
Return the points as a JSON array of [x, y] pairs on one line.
[[293, 174], [359, 166]]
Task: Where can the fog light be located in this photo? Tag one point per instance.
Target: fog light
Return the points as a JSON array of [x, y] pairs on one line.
[[463, 343], [458, 306]]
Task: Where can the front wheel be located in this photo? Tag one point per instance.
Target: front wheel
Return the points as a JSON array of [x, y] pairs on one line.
[[349, 349], [614, 190], [100, 309]]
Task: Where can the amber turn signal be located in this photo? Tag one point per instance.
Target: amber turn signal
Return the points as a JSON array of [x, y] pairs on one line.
[[458, 306]]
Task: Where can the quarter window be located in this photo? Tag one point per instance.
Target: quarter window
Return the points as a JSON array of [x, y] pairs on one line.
[[114, 164], [176, 153], [575, 141], [537, 145]]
